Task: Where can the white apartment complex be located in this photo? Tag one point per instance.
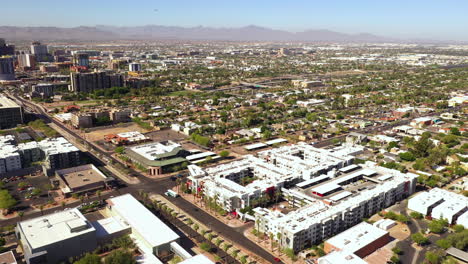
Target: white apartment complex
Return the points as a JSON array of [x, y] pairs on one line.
[[336, 204], [224, 182], [439, 203], [309, 161]]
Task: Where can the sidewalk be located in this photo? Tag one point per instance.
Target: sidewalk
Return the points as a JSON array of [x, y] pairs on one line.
[[230, 222], [236, 246], [83, 148]]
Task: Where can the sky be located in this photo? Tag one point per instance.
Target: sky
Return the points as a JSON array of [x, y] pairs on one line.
[[410, 19]]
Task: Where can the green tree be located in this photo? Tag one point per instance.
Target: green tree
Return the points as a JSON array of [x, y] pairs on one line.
[[443, 243], [437, 225], [433, 257], [205, 247], [416, 215], [6, 200], [290, 253], [89, 259], [419, 238], [120, 257], [224, 153], [119, 150], [407, 156]]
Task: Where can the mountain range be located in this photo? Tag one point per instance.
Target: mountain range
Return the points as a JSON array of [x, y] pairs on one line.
[[156, 32]]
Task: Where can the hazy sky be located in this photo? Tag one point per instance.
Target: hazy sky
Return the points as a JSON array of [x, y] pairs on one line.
[[435, 19]]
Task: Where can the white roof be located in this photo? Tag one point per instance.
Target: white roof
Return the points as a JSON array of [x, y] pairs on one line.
[[276, 141], [312, 181], [255, 146], [5, 102], [327, 187], [356, 237], [57, 146], [153, 230], [340, 196], [198, 259], [151, 150], [341, 257], [56, 227], [200, 155]]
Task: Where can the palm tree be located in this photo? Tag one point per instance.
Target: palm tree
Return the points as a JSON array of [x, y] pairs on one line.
[[63, 205], [98, 193], [271, 241], [278, 236], [258, 221], [41, 207]]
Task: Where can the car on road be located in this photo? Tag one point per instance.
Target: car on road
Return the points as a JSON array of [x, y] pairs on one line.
[[277, 259], [171, 193]]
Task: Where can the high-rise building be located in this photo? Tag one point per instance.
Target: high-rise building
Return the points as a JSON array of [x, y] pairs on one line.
[[134, 67], [11, 114], [40, 51], [26, 61], [6, 49], [88, 82], [81, 59], [7, 68]]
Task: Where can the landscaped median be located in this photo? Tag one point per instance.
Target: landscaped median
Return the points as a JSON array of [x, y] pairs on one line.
[[208, 239]]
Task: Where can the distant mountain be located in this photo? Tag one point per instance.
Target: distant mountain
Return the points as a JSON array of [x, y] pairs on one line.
[[155, 32], [55, 33]]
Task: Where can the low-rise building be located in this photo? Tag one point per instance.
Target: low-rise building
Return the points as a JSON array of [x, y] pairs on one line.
[[82, 120], [80, 179], [158, 157], [361, 240], [439, 203], [126, 138], [56, 237]]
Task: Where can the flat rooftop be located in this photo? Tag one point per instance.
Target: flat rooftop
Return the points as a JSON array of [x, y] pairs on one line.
[[52, 228], [356, 237], [52, 146], [6, 102], [151, 228], [82, 175], [155, 150], [336, 257]]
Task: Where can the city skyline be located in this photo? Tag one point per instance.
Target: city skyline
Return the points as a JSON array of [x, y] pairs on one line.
[[416, 20]]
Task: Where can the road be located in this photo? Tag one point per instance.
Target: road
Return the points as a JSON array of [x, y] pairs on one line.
[[158, 186]]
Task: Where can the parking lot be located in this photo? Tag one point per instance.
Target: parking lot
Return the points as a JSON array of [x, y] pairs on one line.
[[23, 194]]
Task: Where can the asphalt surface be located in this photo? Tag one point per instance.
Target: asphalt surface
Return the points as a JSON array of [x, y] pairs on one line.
[[158, 186]]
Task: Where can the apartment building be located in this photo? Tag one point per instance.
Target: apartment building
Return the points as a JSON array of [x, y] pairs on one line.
[[439, 203], [308, 160], [89, 82], [59, 153], [82, 120], [335, 202], [11, 114], [225, 182]]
